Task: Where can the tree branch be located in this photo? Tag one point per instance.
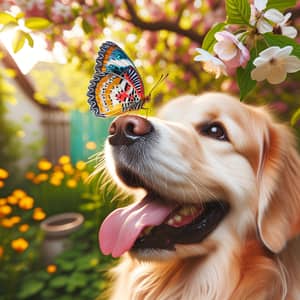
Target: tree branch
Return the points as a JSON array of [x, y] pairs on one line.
[[160, 25]]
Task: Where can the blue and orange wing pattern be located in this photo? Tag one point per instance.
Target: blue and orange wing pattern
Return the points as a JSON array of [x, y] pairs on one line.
[[117, 86]]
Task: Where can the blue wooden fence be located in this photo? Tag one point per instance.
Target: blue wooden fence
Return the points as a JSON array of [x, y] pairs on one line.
[[86, 128]]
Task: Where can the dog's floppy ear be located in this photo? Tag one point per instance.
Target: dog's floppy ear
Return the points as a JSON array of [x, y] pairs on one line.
[[279, 181]]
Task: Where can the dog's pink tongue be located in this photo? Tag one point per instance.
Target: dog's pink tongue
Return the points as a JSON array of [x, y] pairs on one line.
[[121, 228]]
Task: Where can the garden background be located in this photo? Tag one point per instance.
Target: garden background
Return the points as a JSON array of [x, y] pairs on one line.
[[49, 141]]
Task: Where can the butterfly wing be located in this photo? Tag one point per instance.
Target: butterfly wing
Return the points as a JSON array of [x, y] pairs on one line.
[[110, 95], [113, 67], [112, 59]]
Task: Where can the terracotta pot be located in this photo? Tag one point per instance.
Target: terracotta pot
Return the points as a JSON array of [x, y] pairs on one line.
[[57, 229]]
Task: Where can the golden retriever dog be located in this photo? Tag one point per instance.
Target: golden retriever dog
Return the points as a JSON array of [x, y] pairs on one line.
[[220, 213]]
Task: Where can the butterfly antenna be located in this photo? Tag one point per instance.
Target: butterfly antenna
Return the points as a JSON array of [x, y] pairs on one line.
[[159, 81]]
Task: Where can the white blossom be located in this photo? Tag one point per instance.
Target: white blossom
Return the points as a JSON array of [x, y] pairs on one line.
[[270, 20], [274, 63], [211, 63], [285, 29]]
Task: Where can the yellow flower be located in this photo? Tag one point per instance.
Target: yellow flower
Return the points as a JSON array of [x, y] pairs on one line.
[[90, 145], [26, 203], [68, 169], [19, 245], [51, 269], [44, 165], [64, 159], [85, 175], [38, 214], [36, 180], [71, 183], [29, 175], [23, 227], [80, 165], [2, 184], [58, 174], [55, 181], [19, 193], [15, 219], [3, 201], [57, 168], [1, 251], [5, 210], [3, 173], [12, 200], [42, 177], [7, 223]]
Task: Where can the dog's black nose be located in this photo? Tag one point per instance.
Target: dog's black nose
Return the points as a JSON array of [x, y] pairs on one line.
[[126, 130]]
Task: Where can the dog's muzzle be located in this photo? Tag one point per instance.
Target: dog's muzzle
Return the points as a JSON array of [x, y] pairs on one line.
[[126, 130]]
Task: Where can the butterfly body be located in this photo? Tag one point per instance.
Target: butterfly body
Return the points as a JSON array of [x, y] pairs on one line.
[[116, 86]]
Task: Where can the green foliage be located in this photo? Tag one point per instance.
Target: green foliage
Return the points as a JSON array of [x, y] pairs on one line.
[[209, 40], [10, 145], [295, 117], [281, 5], [18, 40], [19, 243], [81, 271], [33, 286], [238, 11], [37, 23], [245, 82], [23, 276], [282, 41], [6, 18]]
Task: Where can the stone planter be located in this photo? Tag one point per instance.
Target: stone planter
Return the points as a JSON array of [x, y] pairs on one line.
[[57, 229]]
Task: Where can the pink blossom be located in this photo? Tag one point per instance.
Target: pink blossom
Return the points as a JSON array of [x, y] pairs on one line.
[[196, 21], [33, 8], [231, 51], [61, 12], [6, 5], [279, 106], [175, 5], [187, 76], [178, 41]]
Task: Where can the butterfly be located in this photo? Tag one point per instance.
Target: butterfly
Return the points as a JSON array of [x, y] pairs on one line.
[[116, 86]]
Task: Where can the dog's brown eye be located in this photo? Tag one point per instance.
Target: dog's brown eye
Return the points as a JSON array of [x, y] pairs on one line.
[[215, 130]]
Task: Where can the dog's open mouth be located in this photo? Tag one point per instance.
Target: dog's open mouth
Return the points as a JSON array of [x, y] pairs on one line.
[[153, 224]]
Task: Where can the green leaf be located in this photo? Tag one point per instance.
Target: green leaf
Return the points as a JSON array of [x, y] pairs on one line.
[[209, 40], [238, 11], [66, 265], [20, 15], [30, 288], [295, 117], [77, 280], [37, 23], [86, 26], [245, 82], [6, 18], [280, 4], [59, 281], [282, 41], [18, 41], [29, 39]]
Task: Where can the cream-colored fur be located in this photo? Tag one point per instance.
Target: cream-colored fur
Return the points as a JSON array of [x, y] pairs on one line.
[[254, 253]]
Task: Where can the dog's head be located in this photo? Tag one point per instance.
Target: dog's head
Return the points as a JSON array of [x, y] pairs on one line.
[[213, 170]]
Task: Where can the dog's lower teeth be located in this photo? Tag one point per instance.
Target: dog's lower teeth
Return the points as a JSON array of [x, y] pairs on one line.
[[187, 211], [147, 230], [177, 218], [170, 222]]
